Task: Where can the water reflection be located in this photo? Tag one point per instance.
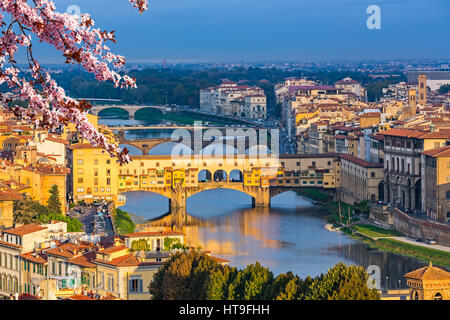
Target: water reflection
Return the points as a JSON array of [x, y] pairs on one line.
[[288, 236]]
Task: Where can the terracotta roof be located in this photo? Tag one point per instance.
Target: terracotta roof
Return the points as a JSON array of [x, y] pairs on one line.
[[428, 273], [113, 249], [408, 133], [34, 257], [25, 229], [85, 260], [360, 162], [438, 152], [9, 194], [153, 234], [82, 146], [69, 250], [9, 244], [58, 140]]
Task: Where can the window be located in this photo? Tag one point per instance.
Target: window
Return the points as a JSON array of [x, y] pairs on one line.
[[80, 171], [108, 161], [101, 279], [447, 194], [80, 180], [135, 285], [372, 174], [80, 161], [96, 161], [110, 282]]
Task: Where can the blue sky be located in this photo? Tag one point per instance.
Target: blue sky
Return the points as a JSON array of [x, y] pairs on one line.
[[256, 30]]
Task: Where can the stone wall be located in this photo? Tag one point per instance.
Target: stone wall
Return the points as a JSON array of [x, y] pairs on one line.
[[410, 226]]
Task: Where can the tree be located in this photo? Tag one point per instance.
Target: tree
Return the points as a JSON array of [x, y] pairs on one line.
[[184, 277], [23, 211], [80, 43], [194, 275], [54, 204], [444, 88], [179, 94], [342, 283], [252, 283]]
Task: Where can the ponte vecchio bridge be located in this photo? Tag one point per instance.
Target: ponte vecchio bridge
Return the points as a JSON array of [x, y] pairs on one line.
[[259, 177]]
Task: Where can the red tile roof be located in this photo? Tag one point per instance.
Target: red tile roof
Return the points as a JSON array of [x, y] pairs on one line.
[[360, 162], [438, 152], [25, 229], [34, 257]]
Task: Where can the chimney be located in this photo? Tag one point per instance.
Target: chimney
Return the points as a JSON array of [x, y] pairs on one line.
[[432, 128]]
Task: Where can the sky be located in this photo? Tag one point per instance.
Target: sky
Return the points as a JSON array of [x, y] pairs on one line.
[[269, 30]]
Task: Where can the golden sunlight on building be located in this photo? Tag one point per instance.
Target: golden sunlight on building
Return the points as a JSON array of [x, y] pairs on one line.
[[428, 283]]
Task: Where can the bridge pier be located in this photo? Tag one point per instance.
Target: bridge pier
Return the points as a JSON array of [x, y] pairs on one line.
[[261, 197], [177, 199]]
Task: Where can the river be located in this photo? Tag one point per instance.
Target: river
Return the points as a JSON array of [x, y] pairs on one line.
[[288, 236]]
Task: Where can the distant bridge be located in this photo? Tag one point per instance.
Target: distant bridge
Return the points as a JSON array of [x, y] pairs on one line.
[[95, 110]]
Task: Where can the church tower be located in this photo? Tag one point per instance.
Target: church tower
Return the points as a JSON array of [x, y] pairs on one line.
[[422, 80]]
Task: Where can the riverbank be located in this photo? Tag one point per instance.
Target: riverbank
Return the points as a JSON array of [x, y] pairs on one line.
[[374, 236], [383, 239]]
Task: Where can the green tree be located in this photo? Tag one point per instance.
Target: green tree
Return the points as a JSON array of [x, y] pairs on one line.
[[184, 277], [179, 94], [54, 204], [252, 283], [342, 282], [444, 88], [123, 222], [220, 282], [23, 210]]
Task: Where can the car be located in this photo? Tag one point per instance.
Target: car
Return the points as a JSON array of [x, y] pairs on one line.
[[419, 240], [431, 241]]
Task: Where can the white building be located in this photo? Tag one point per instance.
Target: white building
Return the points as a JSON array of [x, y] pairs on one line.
[[229, 98]]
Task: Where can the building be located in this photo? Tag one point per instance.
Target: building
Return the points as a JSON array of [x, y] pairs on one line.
[[14, 242], [352, 86], [436, 178], [402, 166], [7, 198], [422, 80], [94, 174], [153, 241], [428, 283], [360, 180], [232, 99], [126, 274]]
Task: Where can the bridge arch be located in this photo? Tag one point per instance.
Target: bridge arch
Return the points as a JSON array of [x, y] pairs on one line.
[[236, 175], [107, 110], [220, 175], [205, 176]]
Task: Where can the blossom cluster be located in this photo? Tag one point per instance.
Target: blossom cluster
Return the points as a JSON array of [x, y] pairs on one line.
[[79, 42]]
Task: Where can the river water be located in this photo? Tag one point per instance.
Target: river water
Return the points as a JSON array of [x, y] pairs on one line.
[[288, 236]]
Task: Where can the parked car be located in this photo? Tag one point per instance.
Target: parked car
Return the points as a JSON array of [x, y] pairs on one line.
[[431, 241], [419, 240]]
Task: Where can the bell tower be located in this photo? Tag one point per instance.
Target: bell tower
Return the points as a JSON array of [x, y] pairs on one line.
[[422, 80]]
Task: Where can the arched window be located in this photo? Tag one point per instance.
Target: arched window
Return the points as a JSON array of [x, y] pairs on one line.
[[437, 296]]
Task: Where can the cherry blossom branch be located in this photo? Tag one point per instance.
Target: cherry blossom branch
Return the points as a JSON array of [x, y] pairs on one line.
[[79, 42]]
